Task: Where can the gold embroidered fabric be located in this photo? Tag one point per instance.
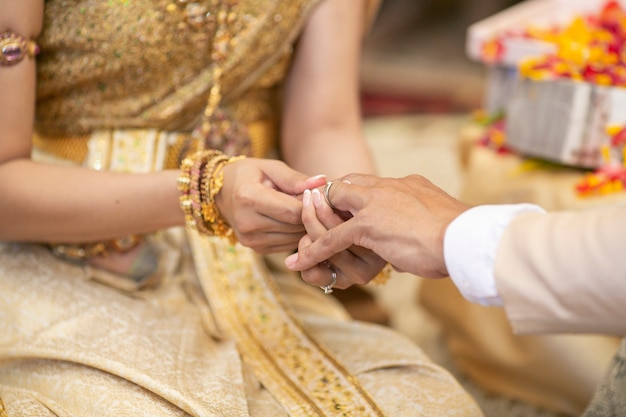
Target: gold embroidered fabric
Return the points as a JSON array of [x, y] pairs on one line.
[[226, 332], [307, 379], [133, 64]]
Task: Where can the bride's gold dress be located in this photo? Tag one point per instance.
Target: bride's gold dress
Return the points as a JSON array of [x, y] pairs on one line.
[[224, 331]]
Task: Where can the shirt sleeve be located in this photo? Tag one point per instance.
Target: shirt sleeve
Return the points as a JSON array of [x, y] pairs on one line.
[[470, 245]]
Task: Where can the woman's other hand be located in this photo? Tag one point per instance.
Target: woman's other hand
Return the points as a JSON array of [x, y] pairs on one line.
[[261, 201]]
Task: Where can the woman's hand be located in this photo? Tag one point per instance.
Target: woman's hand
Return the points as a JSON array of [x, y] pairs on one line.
[[355, 265], [261, 201]]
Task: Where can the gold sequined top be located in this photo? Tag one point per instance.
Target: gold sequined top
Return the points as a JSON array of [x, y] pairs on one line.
[[147, 64]]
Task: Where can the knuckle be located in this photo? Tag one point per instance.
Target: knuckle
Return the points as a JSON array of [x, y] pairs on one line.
[[310, 276], [244, 225], [292, 216], [361, 231], [326, 239], [249, 239], [378, 194]]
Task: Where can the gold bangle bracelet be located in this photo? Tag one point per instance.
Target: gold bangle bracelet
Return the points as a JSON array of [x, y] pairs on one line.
[[184, 184], [211, 214]]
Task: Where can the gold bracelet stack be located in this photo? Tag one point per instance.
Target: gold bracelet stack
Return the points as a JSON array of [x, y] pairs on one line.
[[201, 179]]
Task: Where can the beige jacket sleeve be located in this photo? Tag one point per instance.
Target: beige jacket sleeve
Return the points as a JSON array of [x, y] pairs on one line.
[[565, 272]]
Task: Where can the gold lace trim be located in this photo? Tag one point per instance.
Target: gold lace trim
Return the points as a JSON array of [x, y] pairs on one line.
[[73, 149], [296, 368]]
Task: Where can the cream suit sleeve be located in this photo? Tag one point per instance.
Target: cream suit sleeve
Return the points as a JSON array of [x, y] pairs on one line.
[[564, 272]]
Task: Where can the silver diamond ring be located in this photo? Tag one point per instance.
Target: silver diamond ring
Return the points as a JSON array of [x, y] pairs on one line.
[[328, 289]]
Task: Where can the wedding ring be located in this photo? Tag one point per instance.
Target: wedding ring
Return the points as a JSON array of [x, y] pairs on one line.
[[328, 289], [327, 195]]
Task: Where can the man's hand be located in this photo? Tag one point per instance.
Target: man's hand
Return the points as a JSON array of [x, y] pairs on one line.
[[401, 220]]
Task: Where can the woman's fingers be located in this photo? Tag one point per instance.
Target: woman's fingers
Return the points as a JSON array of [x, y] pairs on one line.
[[313, 211], [320, 274], [287, 180], [317, 216], [351, 266]]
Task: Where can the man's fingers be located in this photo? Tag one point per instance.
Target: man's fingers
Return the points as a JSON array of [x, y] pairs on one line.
[[346, 197]]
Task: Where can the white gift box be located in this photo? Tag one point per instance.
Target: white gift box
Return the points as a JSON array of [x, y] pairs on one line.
[[562, 120]]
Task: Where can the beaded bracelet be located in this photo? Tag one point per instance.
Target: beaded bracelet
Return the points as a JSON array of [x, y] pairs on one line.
[[189, 180], [198, 171], [82, 251], [14, 47]]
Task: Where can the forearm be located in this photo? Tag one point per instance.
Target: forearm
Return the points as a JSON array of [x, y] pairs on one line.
[[43, 203], [321, 133], [333, 153]]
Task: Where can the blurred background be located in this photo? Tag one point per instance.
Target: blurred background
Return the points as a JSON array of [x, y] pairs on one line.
[[419, 90], [414, 59]]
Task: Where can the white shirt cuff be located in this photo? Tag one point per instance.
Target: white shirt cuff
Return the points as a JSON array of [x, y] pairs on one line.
[[470, 245]]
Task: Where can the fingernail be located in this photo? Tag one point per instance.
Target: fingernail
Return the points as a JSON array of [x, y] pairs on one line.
[[291, 260], [317, 198], [306, 198], [316, 177], [346, 182]]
